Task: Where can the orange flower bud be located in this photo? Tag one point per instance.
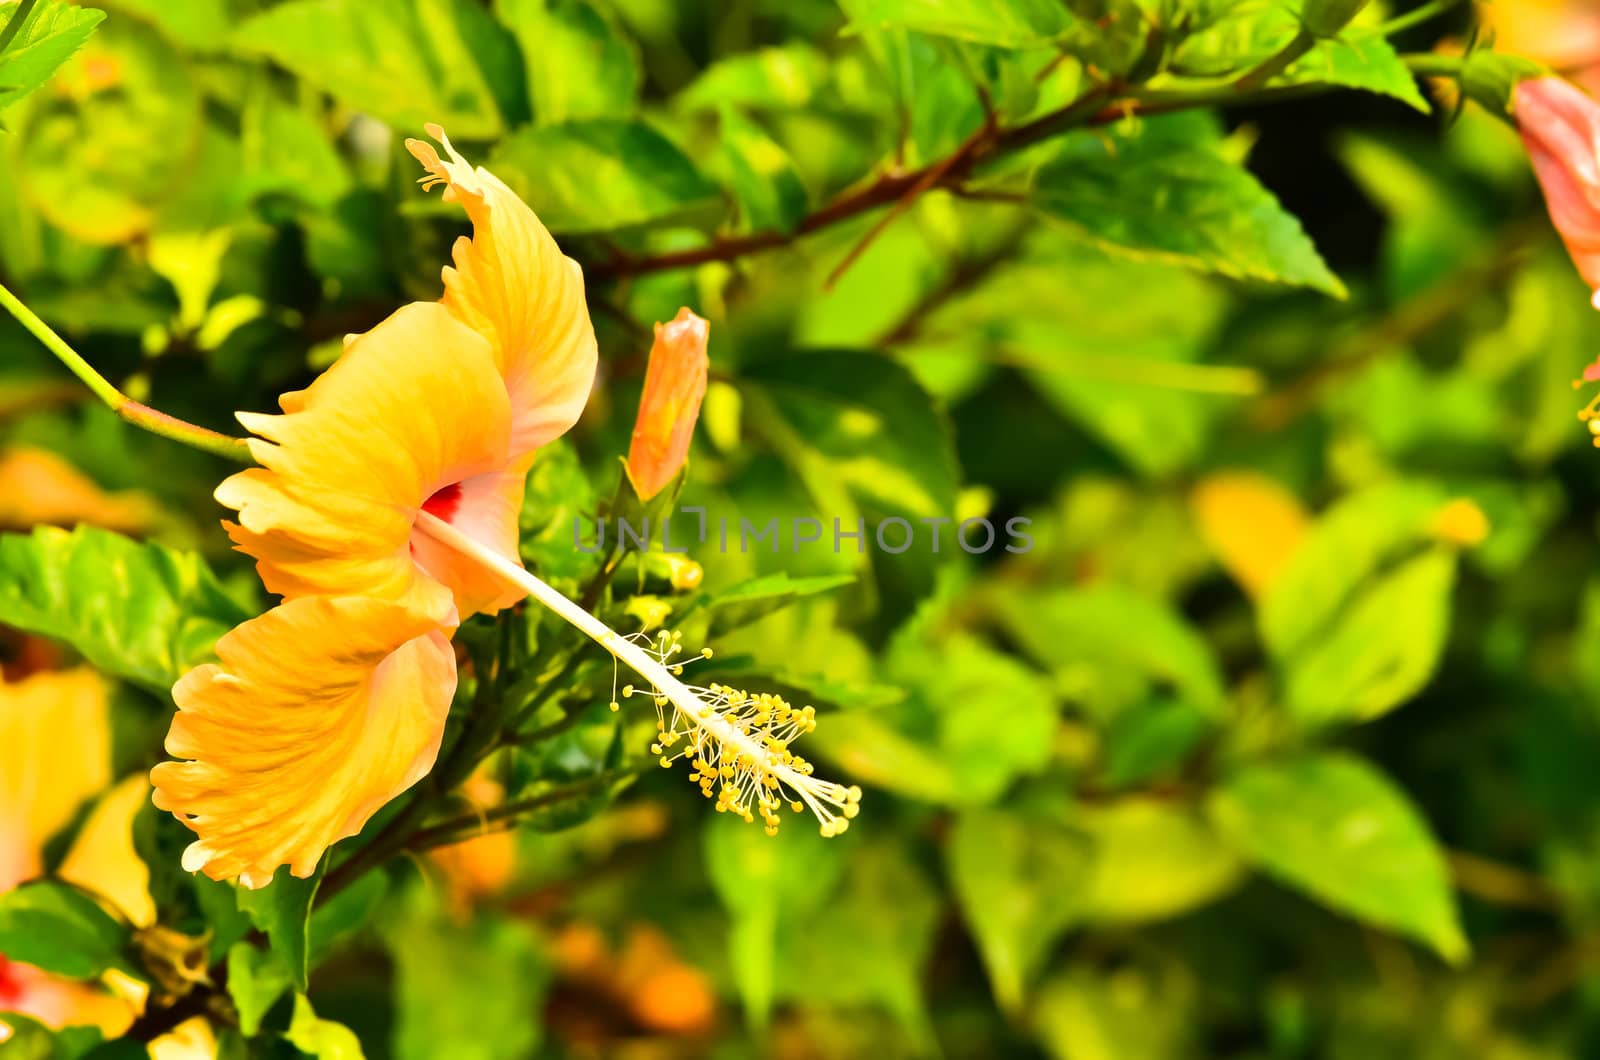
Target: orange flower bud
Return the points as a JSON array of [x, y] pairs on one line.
[[674, 385], [1561, 129]]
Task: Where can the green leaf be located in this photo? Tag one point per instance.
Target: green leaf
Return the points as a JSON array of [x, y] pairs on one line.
[[1167, 193], [579, 63], [763, 175], [753, 600], [1383, 649], [1142, 1009], [872, 940], [201, 25], [558, 493], [58, 928], [323, 1039], [257, 978], [31, 1040], [1150, 740], [313, 172], [1105, 659], [604, 175], [1150, 860], [764, 882], [860, 421], [189, 902], [1347, 545], [1015, 881], [282, 909], [779, 78], [1116, 345], [408, 62], [977, 720], [1334, 827], [138, 611], [54, 30], [344, 914], [443, 1012], [1357, 59], [1009, 23], [1249, 33]]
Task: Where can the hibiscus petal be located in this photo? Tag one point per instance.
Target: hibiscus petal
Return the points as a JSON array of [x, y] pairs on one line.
[[485, 508], [320, 712], [512, 282], [412, 407]]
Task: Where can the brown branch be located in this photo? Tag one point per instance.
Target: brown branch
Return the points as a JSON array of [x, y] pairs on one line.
[[890, 187], [467, 826], [1096, 107], [1414, 320], [1503, 885], [963, 277]]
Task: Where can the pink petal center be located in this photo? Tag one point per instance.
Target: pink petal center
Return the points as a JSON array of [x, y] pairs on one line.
[[444, 502]]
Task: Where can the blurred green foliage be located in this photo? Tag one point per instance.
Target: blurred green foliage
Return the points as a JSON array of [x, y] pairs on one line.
[[1278, 743]]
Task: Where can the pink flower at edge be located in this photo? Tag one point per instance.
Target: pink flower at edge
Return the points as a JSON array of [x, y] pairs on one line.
[[1560, 127]]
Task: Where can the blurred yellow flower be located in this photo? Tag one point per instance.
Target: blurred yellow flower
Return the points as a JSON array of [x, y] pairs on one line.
[[674, 386], [55, 754], [1251, 523], [481, 865], [38, 488]]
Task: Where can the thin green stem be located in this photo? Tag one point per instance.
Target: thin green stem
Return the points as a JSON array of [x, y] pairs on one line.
[[141, 416], [1433, 9], [68, 356], [19, 18], [1435, 65], [1277, 63]]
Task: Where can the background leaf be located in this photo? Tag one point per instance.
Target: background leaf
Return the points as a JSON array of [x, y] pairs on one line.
[[60, 929], [1334, 827]]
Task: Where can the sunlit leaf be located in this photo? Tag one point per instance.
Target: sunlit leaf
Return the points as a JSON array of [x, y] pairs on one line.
[[776, 78], [1345, 546], [320, 1038], [138, 95], [1166, 193], [764, 180], [54, 30], [138, 611], [1098, 625], [1382, 650], [604, 175], [579, 63], [409, 62], [1012, 23]]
